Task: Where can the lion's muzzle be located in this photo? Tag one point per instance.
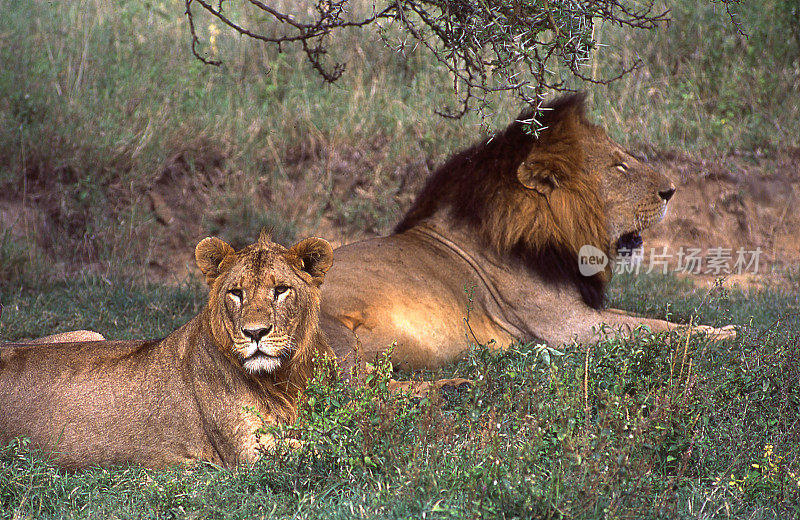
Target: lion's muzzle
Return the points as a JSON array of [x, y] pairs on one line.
[[264, 348], [254, 334]]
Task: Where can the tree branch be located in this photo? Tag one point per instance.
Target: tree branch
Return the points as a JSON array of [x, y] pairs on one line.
[[487, 46]]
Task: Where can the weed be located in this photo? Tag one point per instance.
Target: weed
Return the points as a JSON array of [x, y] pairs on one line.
[[16, 260], [93, 110], [242, 222], [646, 427], [707, 86]]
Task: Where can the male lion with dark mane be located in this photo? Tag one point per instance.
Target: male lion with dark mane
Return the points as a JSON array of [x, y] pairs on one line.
[[494, 237], [202, 392]]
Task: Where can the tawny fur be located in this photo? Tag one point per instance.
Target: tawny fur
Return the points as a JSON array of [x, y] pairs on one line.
[[186, 397], [488, 252], [479, 187]]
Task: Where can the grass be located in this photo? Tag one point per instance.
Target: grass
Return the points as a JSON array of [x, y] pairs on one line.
[[102, 106], [123, 308], [703, 86], [653, 428]]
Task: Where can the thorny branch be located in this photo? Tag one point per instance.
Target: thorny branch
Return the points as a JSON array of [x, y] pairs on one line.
[[527, 47], [195, 39], [732, 15]]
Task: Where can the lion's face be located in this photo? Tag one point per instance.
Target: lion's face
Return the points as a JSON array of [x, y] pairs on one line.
[[264, 297], [591, 190], [635, 195]]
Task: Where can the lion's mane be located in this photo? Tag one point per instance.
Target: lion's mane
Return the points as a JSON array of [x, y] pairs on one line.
[[480, 189]]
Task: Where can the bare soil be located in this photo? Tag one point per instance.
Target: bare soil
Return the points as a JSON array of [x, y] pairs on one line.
[[733, 202]]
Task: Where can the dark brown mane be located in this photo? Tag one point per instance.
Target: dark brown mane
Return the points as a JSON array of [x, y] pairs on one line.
[[479, 189]]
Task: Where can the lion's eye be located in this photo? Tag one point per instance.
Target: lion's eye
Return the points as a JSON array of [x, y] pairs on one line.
[[623, 167], [236, 295], [280, 289]]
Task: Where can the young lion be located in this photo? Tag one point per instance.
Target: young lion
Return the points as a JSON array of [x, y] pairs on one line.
[[198, 394]]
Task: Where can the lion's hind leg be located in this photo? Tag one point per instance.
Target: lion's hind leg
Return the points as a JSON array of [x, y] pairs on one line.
[[67, 337], [421, 389]]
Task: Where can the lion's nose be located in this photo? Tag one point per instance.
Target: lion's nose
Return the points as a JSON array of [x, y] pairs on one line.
[[666, 194], [255, 334]]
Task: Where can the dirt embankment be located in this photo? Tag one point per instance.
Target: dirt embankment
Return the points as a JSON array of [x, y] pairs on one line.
[[722, 205], [730, 204]]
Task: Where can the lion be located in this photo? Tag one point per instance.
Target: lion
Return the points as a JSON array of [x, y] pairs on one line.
[[201, 393], [489, 251]]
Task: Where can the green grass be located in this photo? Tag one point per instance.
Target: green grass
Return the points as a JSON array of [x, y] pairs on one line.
[[664, 430], [121, 310]]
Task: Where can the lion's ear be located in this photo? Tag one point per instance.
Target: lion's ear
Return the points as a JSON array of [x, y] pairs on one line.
[[209, 254], [313, 256], [537, 176]]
